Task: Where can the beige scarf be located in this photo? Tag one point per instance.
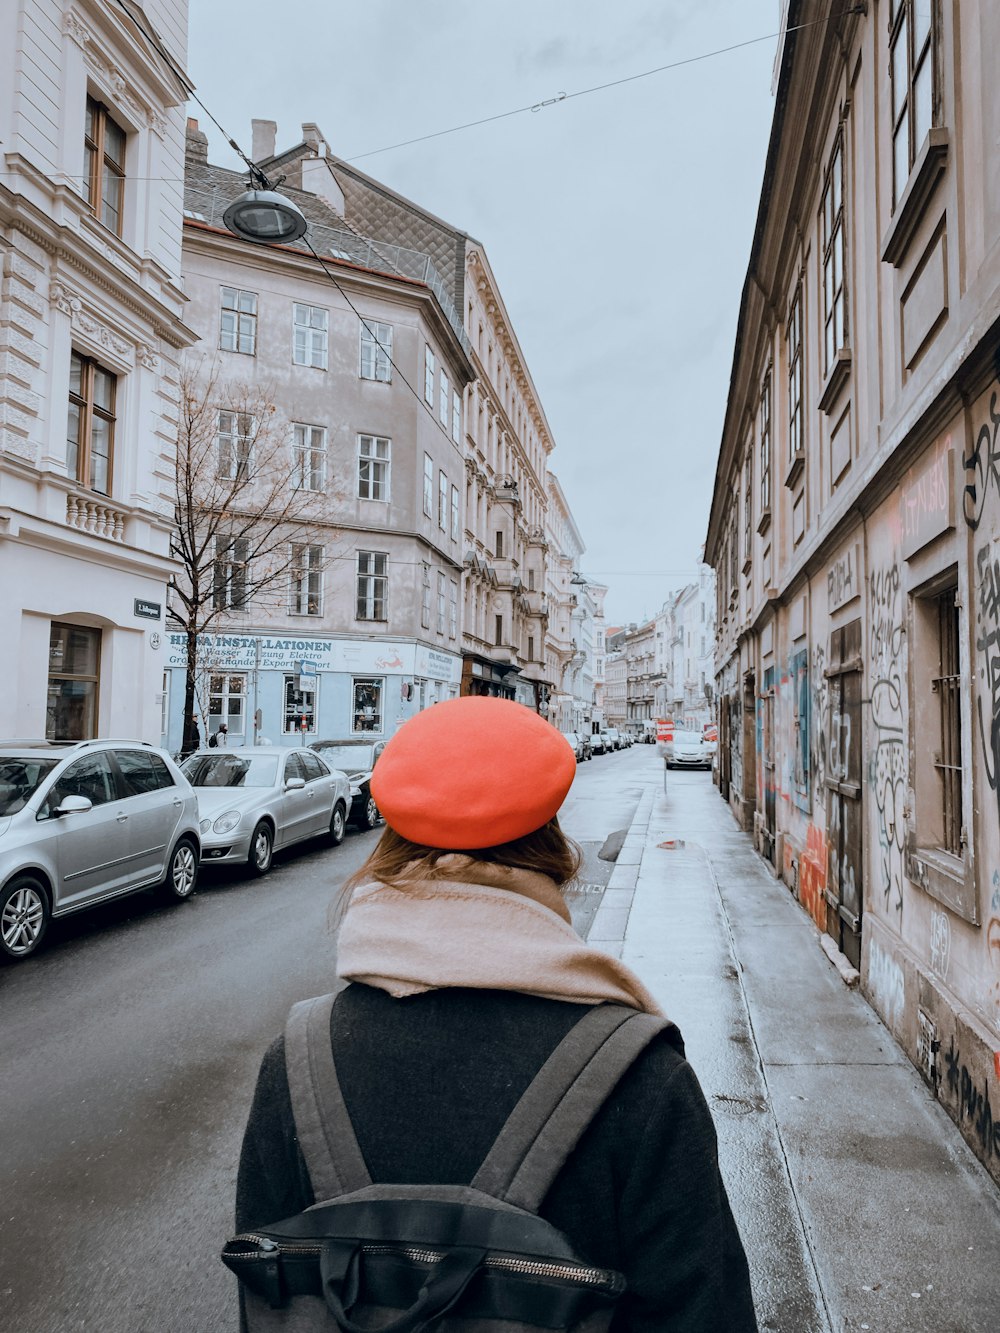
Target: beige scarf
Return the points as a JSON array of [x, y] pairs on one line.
[[478, 925]]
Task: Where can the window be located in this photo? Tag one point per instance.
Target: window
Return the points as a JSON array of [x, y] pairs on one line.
[[310, 325], [442, 587], [453, 609], [795, 410], [236, 432], [531, 647], [229, 590], [454, 513], [834, 305], [747, 508], [429, 365], [373, 584], [74, 676], [498, 630], [376, 351], [456, 416], [425, 598], [90, 429], [165, 704], [142, 771], [373, 467], [308, 457], [300, 708], [499, 546], [227, 703], [765, 445], [428, 486], [368, 703], [444, 400], [238, 321], [947, 685], [531, 580], [305, 580], [911, 64], [104, 165], [442, 501]]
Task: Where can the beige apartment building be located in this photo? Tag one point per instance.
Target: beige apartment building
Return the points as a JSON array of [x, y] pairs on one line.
[[856, 518], [508, 444], [364, 364], [91, 329]]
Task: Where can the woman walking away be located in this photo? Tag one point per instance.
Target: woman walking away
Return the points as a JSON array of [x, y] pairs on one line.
[[490, 1125]]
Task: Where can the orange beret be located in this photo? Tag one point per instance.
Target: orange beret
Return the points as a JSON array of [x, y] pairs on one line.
[[472, 772]]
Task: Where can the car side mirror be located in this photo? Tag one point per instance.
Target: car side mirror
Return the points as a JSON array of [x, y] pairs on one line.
[[74, 805], [294, 784]]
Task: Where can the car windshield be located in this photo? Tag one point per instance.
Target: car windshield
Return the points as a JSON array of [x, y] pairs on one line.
[[687, 738], [231, 770], [348, 758], [20, 778]]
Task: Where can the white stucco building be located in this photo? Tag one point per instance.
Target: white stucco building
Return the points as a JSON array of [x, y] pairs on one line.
[[91, 325]]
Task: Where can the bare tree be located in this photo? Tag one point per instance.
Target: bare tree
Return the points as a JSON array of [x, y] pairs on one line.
[[243, 502]]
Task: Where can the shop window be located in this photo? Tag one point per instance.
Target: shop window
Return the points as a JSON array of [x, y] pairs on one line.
[[227, 703], [74, 678], [299, 708], [368, 692]]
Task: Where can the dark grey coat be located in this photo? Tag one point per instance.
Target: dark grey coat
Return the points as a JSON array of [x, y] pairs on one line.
[[430, 1080]]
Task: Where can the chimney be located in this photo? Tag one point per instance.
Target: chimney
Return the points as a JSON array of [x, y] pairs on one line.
[[264, 135], [313, 136], [195, 144]]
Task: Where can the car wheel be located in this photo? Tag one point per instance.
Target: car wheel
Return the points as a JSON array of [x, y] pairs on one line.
[[182, 871], [371, 815], [24, 916], [261, 849], [338, 825]]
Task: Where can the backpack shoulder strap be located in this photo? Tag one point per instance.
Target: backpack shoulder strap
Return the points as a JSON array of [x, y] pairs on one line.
[[325, 1133], [560, 1102]]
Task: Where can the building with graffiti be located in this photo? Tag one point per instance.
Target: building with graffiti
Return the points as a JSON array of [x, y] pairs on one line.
[[855, 523]]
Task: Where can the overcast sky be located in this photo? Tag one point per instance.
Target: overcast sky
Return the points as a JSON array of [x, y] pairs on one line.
[[618, 224]]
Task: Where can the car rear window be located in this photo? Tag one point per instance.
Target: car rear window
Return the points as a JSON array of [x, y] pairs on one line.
[[231, 770], [142, 771]]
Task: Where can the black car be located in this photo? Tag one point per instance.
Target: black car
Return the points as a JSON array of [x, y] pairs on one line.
[[356, 758]]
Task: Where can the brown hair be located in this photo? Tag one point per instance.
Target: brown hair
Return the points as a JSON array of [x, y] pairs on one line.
[[397, 861]]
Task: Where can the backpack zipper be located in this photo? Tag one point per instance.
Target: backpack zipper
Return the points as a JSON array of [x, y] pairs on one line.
[[592, 1277]]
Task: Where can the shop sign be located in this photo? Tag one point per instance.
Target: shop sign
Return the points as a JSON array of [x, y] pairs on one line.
[[239, 652], [437, 666]]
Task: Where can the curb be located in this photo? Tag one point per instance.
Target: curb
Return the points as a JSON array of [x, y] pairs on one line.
[[608, 929], [849, 974]]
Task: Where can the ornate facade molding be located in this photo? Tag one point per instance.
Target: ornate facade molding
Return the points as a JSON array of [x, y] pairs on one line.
[[69, 303], [113, 76]]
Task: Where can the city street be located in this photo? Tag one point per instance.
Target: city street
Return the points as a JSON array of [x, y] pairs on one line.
[[129, 1049]]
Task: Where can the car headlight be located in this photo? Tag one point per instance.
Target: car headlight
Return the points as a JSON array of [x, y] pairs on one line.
[[205, 825], [227, 822], [355, 789]]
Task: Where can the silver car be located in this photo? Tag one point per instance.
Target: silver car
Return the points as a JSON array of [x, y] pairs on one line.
[[257, 799], [86, 822]]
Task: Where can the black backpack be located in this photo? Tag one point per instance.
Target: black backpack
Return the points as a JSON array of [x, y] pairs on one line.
[[456, 1258]]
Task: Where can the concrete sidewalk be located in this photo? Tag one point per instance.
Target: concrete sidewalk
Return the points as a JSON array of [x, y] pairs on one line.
[[859, 1203]]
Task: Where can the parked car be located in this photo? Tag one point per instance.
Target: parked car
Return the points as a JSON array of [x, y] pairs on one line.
[[688, 749], [575, 740], [356, 758], [255, 800], [84, 822], [614, 736], [598, 743]]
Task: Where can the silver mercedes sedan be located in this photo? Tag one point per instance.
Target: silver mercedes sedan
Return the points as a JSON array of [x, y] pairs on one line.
[[256, 800]]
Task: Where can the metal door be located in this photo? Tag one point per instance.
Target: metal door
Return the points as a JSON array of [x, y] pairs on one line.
[[844, 823], [769, 775], [725, 757]]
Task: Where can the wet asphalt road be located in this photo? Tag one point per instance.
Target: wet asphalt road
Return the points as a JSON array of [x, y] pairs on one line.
[[128, 1049]]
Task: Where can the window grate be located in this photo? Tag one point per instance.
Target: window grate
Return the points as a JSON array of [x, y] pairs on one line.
[[947, 686]]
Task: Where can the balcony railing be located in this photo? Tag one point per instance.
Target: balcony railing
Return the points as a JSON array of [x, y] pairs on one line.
[[98, 517]]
